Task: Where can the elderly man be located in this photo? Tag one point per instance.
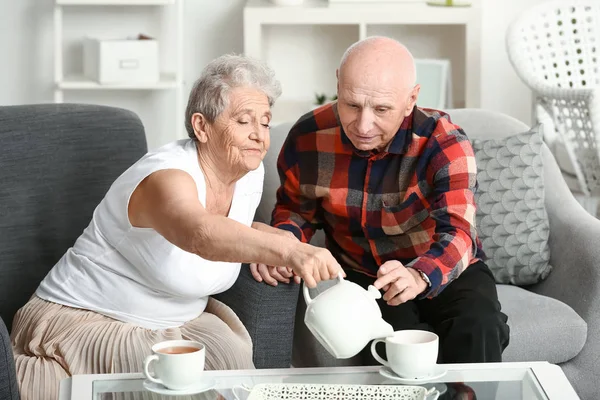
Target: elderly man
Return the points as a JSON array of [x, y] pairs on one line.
[[392, 186]]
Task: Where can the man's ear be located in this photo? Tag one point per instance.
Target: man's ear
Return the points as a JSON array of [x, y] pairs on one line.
[[200, 125], [412, 100], [337, 83]]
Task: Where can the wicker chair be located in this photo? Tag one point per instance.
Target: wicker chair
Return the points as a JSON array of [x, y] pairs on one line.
[[555, 49]]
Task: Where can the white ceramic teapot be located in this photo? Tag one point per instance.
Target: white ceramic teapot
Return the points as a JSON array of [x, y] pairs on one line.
[[345, 317]]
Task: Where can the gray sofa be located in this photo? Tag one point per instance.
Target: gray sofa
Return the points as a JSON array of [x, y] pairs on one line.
[[57, 161]]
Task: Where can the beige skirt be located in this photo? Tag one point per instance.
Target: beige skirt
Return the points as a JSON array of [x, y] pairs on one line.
[[52, 342]]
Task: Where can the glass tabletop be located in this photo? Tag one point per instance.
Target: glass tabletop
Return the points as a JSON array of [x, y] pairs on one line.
[[475, 382]]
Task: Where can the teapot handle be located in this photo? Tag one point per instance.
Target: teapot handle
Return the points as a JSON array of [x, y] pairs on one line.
[[306, 294]]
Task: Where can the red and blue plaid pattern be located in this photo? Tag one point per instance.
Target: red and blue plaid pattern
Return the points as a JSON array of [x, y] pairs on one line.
[[412, 202]]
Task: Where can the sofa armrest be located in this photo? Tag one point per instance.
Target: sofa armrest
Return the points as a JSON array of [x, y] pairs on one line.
[[8, 376], [574, 247], [268, 313], [575, 277]]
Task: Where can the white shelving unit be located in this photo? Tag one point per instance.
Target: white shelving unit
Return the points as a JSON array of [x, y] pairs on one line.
[[114, 2], [265, 21], [169, 80], [80, 82]]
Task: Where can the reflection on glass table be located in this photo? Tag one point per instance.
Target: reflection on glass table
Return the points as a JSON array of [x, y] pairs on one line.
[[500, 381]]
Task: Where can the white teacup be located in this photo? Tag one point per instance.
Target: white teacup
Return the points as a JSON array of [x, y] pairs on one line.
[[177, 364], [411, 353]]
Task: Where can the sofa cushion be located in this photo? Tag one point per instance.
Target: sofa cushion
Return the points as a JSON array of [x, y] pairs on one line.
[[56, 164], [541, 328], [8, 375], [511, 217]]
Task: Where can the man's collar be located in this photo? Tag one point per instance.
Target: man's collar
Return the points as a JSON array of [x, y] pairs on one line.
[[401, 140]]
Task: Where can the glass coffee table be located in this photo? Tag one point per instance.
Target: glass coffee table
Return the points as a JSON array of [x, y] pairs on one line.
[[500, 381]]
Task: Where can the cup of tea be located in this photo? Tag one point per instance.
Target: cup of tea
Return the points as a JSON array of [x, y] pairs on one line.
[[410, 353], [176, 364]]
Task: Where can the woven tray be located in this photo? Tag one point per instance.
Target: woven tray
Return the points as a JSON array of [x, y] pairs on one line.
[[299, 391]]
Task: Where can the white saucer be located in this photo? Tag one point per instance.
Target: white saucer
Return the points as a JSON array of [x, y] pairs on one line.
[[438, 372], [205, 385]]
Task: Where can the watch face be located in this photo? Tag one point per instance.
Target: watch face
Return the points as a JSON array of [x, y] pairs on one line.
[[425, 277]]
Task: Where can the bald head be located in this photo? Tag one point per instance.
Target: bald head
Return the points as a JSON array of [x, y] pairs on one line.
[[376, 90], [378, 55]]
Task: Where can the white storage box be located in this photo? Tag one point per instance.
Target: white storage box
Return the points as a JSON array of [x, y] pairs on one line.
[[121, 61]]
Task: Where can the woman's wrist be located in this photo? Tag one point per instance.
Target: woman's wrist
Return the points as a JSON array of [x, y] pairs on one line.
[[282, 245], [287, 246]]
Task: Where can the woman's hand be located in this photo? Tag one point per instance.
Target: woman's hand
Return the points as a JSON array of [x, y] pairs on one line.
[[303, 261], [313, 264]]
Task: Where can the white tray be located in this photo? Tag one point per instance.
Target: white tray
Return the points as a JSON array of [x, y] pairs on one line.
[[302, 391]]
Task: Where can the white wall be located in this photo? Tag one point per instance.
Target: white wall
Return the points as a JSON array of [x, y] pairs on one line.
[[501, 89], [212, 27]]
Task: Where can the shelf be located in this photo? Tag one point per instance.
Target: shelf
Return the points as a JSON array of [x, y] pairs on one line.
[[114, 2], [429, 30], [82, 83], [322, 12]]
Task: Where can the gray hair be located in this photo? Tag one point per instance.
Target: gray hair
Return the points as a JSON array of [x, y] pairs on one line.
[[210, 94]]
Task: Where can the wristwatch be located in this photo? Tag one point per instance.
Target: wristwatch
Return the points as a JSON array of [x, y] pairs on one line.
[[424, 277]]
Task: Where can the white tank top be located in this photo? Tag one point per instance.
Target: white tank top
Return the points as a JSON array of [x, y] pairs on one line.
[[134, 274]]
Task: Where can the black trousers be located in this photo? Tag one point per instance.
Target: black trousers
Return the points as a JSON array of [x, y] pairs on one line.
[[465, 315]]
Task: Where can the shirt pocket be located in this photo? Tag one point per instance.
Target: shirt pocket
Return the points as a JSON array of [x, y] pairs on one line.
[[398, 218]]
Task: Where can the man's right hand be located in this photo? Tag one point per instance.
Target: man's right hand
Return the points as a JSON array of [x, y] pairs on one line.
[[313, 264], [272, 275]]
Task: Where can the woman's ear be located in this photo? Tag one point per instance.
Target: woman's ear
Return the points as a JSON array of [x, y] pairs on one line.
[[200, 125]]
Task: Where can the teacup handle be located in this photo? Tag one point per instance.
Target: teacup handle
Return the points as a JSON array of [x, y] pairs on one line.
[[147, 363], [377, 356], [432, 394], [307, 294], [240, 387]]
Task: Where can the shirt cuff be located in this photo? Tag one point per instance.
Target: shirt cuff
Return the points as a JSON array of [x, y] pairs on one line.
[[296, 231], [430, 269]]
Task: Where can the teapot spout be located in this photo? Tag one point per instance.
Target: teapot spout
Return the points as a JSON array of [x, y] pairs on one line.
[[381, 329]]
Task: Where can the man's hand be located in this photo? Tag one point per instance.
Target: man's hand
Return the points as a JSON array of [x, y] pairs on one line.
[[272, 275], [400, 284], [269, 274]]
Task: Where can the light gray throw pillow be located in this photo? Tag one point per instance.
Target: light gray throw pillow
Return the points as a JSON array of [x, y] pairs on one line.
[[511, 217]]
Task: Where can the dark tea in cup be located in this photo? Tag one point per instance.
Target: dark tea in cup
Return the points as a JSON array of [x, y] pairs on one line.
[[178, 350]]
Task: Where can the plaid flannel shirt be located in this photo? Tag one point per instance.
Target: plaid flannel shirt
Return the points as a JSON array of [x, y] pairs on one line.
[[412, 202]]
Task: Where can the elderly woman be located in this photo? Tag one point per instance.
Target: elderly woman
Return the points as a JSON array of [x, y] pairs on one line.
[[171, 231]]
